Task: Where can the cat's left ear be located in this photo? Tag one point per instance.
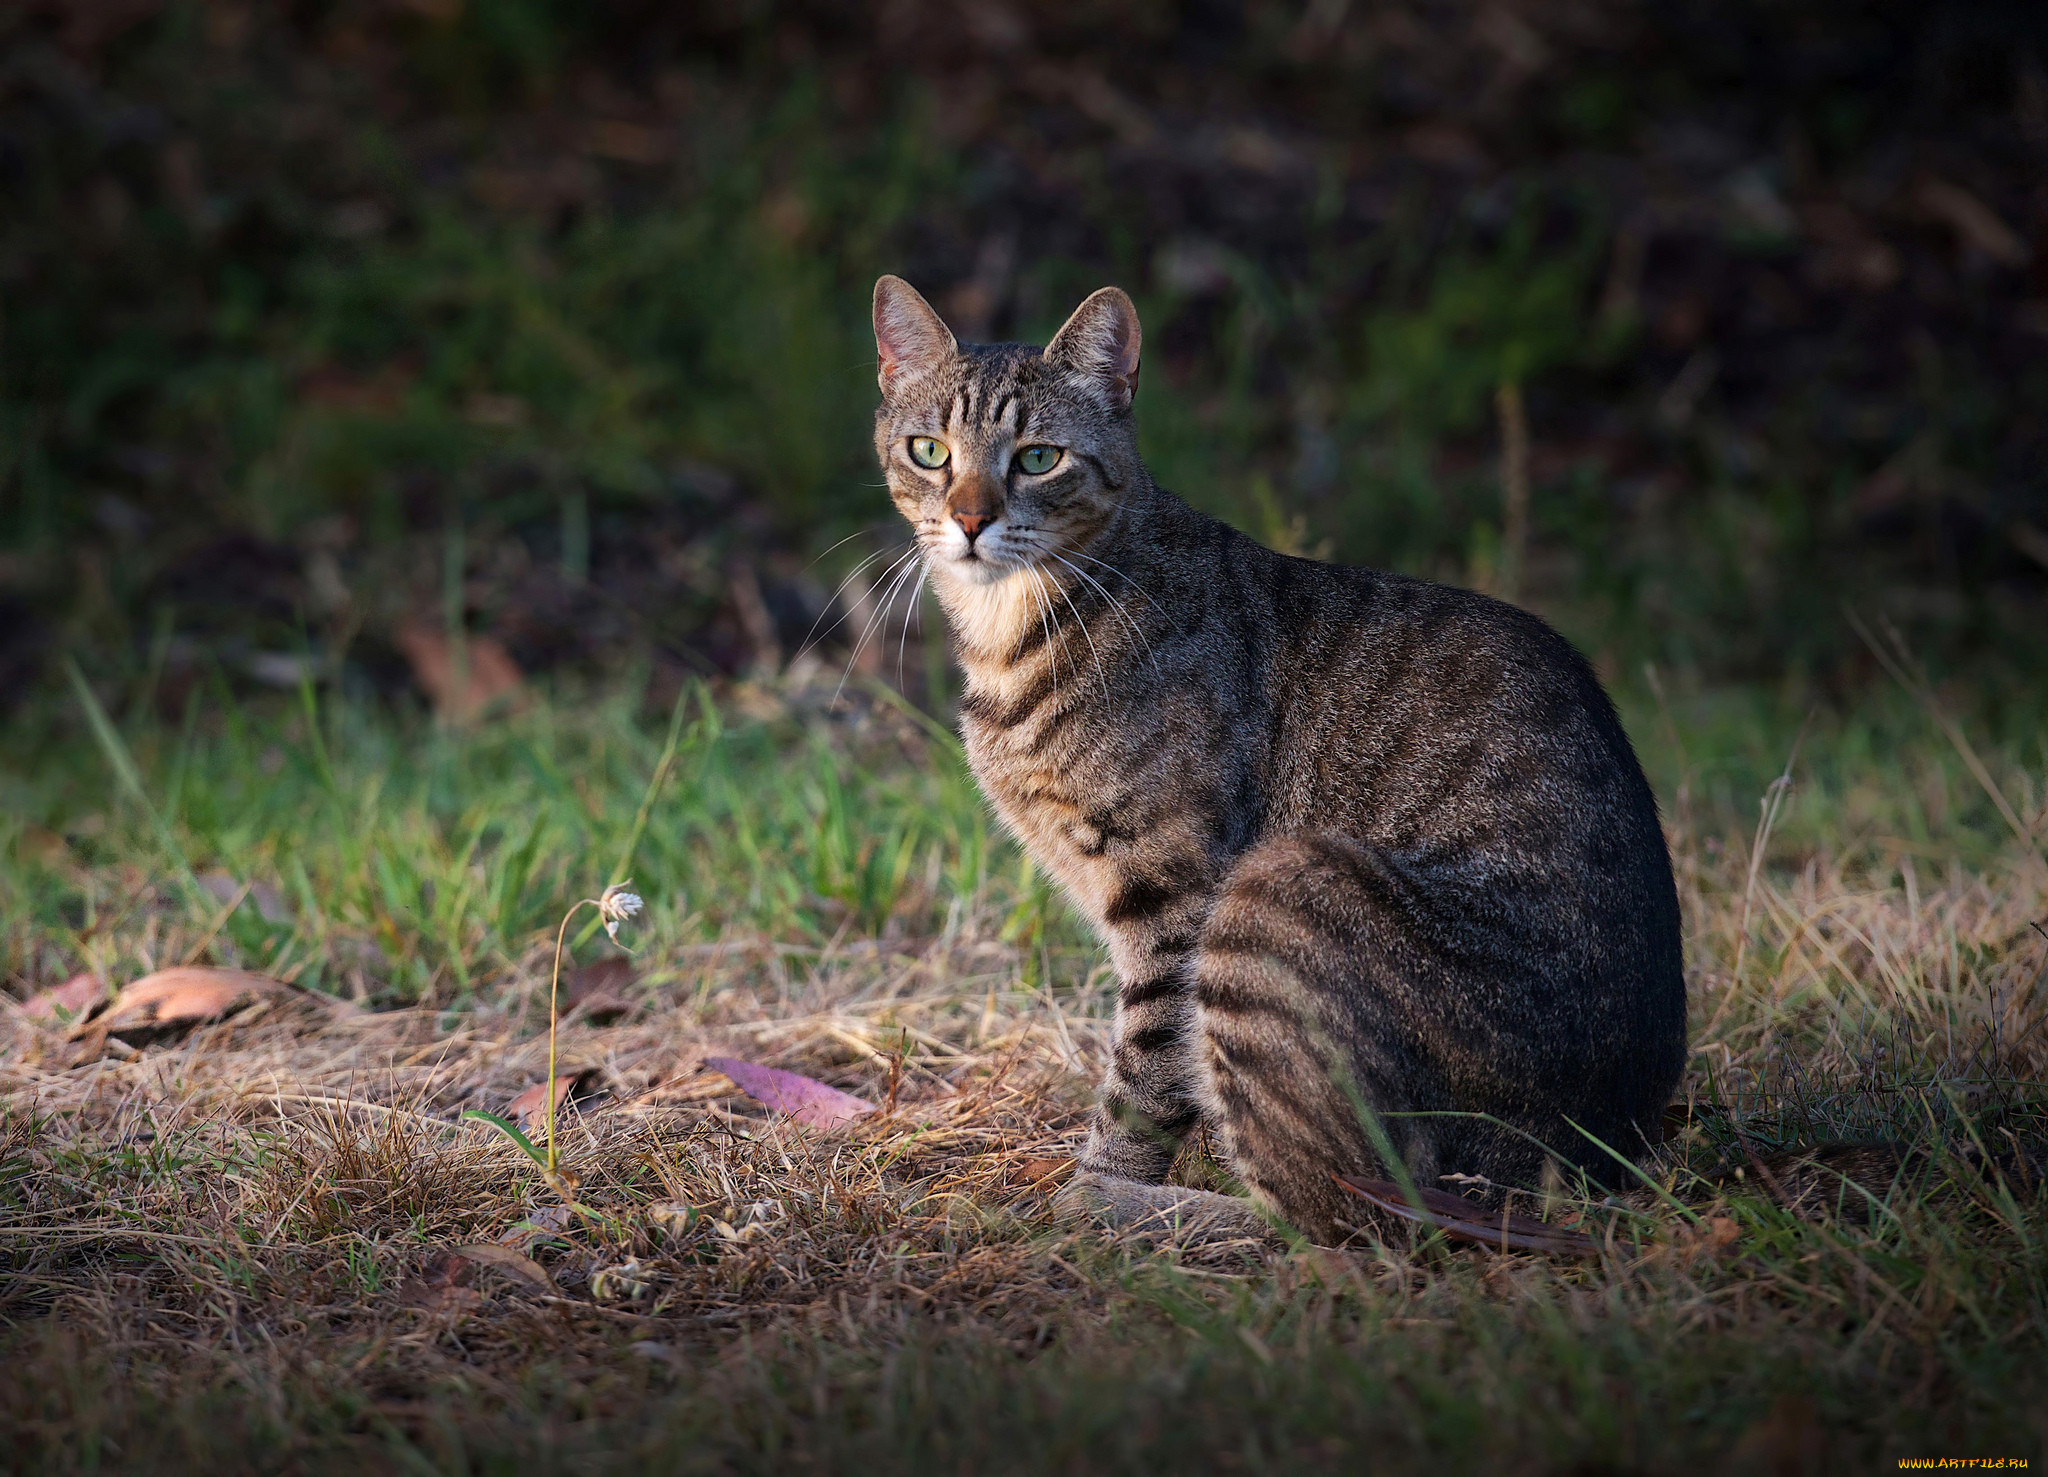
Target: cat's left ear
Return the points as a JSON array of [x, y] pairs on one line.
[[909, 337], [1101, 343]]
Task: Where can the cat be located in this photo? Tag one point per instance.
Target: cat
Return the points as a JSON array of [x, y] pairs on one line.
[[1374, 861]]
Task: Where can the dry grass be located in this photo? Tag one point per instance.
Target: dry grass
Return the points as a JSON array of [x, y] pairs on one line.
[[236, 1248]]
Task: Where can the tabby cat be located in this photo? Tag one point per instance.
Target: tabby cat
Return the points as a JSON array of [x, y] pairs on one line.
[[1374, 861]]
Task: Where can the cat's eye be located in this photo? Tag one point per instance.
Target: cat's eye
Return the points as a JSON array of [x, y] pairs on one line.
[[1038, 459], [928, 452]]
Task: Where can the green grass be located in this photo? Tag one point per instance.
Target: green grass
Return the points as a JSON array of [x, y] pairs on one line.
[[446, 854]]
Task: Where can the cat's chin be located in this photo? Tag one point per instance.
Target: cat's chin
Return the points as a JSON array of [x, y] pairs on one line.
[[978, 571], [989, 604]]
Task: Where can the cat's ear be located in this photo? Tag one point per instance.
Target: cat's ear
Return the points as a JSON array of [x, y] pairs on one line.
[[909, 337], [1100, 342]]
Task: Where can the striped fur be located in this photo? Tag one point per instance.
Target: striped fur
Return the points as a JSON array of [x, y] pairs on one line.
[[1358, 845]]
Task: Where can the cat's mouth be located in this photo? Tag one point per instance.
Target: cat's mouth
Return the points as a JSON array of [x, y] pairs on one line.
[[984, 560], [984, 566]]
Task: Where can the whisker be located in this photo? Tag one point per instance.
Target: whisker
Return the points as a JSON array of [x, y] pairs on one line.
[[814, 635], [1125, 577], [915, 608], [1049, 584], [857, 533], [1100, 670], [903, 567], [1115, 605], [1046, 626]]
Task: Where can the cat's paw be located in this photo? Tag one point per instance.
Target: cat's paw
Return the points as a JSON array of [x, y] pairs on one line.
[[1161, 1215]]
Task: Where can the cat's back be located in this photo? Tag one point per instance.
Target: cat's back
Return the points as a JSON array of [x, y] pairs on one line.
[[1420, 715]]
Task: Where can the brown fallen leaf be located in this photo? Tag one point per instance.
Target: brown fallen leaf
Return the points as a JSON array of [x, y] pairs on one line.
[[531, 1106], [490, 680], [65, 1004], [442, 1288], [805, 1099], [598, 989], [519, 1267], [1032, 1171], [1462, 1220], [430, 1297], [188, 995]]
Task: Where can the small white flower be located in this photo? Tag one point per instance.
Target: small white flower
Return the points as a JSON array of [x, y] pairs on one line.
[[618, 906]]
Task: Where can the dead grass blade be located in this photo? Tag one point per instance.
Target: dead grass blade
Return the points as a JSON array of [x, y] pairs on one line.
[[517, 1265]]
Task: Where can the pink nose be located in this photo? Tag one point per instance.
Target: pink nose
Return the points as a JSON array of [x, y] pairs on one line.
[[972, 524]]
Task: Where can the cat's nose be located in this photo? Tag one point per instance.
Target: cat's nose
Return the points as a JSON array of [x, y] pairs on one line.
[[972, 524]]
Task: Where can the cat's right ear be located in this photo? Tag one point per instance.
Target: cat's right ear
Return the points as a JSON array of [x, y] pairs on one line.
[[909, 337], [1100, 343]]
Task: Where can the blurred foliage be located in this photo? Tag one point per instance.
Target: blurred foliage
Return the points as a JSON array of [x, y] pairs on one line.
[[328, 281]]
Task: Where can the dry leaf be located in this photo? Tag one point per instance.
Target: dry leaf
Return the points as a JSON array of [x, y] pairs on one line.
[[530, 1107], [64, 1004], [187, 995], [513, 1264], [1031, 1171], [598, 989], [1462, 1220], [803, 1098], [444, 1288], [491, 679]]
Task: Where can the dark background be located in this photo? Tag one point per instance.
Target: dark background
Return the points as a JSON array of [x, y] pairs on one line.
[[550, 318]]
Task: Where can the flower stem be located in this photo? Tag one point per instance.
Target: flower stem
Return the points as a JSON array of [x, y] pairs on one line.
[[554, 1018]]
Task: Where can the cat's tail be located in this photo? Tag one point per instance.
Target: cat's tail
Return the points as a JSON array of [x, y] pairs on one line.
[[1300, 1049]]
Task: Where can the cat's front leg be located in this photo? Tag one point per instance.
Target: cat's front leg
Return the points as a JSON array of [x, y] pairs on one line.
[[1148, 1104]]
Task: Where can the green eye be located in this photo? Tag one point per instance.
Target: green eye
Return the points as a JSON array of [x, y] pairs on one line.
[[927, 452], [1037, 459]]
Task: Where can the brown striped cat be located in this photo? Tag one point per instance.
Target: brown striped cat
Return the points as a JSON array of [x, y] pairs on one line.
[[1374, 861]]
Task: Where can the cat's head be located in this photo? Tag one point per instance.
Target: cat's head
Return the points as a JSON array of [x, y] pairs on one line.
[[1005, 455]]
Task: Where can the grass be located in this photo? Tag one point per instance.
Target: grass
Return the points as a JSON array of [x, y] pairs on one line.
[[233, 1249]]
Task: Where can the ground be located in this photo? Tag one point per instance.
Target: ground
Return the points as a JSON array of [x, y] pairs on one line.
[[250, 1245]]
